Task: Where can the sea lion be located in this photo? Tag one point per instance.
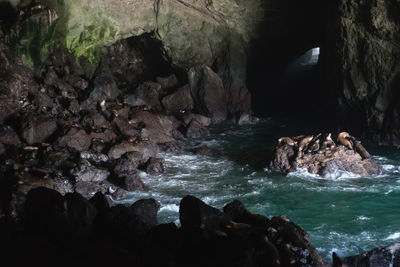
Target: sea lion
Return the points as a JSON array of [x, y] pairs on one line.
[[359, 148], [286, 140], [303, 143], [328, 143], [343, 139], [314, 147]]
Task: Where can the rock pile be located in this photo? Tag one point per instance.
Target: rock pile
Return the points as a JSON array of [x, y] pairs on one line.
[[79, 131], [321, 155], [73, 231]]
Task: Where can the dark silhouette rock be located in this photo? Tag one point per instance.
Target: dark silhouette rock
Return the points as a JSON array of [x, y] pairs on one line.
[[89, 189], [100, 202], [195, 213], [384, 256], [146, 210]]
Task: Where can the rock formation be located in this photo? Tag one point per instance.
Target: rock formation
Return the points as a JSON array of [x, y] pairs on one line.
[[321, 155]]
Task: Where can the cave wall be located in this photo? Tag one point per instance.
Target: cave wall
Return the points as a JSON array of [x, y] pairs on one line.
[[215, 33], [363, 58]]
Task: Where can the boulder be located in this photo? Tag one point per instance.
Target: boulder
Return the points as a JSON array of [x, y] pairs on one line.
[[87, 173], [174, 146], [155, 166], [77, 139], [8, 136], [209, 94], [105, 87], [36, 129], [178, 101], [130, 181], [154, 129]]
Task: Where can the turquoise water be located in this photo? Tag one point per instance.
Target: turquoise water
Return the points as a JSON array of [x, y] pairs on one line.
[[346, 214]]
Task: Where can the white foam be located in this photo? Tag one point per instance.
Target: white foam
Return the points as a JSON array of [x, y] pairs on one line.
[[363, 218], [170, 207], [393, 236]]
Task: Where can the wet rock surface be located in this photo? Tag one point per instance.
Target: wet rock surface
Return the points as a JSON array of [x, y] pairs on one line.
[[207, 237], [321, 155], [384, 256]]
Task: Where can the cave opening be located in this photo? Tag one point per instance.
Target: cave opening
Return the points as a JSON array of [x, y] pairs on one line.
[[287, 66]]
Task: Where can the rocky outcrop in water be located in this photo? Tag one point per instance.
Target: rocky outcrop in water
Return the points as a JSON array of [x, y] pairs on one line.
[[90, 232], [385, 256], [322, 156]]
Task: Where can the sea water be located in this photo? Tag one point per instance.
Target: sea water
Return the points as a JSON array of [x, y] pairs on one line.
[[345, 213]]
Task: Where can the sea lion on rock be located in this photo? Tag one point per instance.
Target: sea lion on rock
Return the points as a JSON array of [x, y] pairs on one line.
[[359, 148], [304, 143], [286, 140], [314, 147], [328, 143], [343, 139]]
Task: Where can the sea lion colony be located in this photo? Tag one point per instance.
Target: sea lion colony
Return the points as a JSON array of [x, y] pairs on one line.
[[323, 144]]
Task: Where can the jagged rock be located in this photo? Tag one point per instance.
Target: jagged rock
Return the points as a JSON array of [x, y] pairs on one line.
[[180, 100], [77, 139], [243, 118], [88, 173], [155, 166], [385, 256], [196, 130], [55, 157], [37, 129], [208, 92], [8, 136]]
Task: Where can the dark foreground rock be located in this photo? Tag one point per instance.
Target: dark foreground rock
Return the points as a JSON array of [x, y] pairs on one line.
[[91, 233], [385, 256], [322, 156]]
